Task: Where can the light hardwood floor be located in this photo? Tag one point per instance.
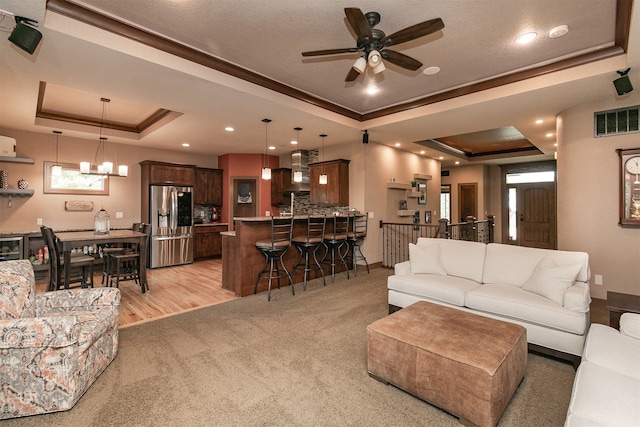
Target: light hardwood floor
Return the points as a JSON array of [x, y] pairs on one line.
[[172, 290]]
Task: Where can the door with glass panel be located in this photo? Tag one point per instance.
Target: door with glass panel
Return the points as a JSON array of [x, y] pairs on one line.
[[532, 209]]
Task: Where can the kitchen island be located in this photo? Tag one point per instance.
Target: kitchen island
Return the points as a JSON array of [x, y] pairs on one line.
[[242, 261]]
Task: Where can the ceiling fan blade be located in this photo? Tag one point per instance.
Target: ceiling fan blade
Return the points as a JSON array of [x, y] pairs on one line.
[[351, 75], [401, 60], [413, 32], [358, 22], [330, 51]]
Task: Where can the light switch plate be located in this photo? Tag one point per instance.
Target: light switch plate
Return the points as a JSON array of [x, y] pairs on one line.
[[119, 215], [38, 221], [370, 214]]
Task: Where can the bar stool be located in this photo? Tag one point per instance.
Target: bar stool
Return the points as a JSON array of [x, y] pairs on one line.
[[355, 237], [335, 242], [56, 265], [125, 265], [308, 245], [274, 249]]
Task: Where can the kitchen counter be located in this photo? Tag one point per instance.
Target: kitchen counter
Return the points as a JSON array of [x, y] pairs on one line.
[[242, 261], [209, 224]]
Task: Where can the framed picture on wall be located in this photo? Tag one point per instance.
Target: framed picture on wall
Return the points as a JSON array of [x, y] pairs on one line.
[[422, 189]]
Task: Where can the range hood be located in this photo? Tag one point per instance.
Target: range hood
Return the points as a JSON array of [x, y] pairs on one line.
[[299, 162]]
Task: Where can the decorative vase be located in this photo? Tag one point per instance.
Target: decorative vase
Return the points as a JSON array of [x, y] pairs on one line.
[[4, 179], [23, 184]]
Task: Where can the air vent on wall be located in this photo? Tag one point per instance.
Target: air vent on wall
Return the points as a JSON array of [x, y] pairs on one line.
[[616, 122]]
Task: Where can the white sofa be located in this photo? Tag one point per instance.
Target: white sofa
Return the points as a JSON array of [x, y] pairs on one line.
[[546, 291], [606, 389]]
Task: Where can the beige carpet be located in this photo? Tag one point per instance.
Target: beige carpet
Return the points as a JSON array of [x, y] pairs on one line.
[[295, 361]]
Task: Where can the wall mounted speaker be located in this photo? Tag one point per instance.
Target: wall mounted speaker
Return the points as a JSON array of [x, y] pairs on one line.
[[24, 36], [365, 137], [623, 85]]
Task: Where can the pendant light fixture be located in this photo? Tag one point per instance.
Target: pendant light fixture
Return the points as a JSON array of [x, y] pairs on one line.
[[106, 168], [266, 170], [297, 175], [56, 170], [323, 176]]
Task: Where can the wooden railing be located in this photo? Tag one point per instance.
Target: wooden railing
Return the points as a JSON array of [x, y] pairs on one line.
[[397, 236]]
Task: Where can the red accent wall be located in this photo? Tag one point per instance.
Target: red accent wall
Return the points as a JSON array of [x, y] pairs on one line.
[[245, 166]]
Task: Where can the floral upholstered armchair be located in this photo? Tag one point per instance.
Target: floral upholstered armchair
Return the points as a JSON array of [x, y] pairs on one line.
[[53, 345]]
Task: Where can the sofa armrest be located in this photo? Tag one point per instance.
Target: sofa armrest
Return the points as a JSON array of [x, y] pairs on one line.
[[403, 268], [33, 332], [577, 297], [630, 325], [76, 299]]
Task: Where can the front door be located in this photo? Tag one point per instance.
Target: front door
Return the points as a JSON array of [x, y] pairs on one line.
[[533, 222], [245, 203]]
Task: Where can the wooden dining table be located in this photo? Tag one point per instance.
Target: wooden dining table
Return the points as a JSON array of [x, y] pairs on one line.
[[77, 239]]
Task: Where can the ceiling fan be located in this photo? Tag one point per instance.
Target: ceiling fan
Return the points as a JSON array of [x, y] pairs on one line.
[[373, 43]]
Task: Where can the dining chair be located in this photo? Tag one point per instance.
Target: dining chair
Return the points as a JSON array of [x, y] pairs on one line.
[[274, 249], [108, 250], [125, 265], [56, 265]]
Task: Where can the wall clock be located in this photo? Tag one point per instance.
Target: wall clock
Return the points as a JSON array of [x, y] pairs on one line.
[[629, 187]]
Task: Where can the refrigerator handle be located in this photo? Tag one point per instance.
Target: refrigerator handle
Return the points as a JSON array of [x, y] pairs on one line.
[[174, 209]]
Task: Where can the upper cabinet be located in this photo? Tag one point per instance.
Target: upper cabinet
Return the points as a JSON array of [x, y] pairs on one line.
[[336, 191], [208, 188], [280, 179], [167, 173]]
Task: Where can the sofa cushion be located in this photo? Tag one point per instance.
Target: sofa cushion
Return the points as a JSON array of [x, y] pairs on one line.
[[603, 397], [512, 302], [448, 289], [607, 347], [551, 280], [630, 325], [17, 290], [513, 265], [425, 259], [459, 258]]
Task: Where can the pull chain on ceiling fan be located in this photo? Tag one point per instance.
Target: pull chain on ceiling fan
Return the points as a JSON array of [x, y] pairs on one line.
[[373, 43]]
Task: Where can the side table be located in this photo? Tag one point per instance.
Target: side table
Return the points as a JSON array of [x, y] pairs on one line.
[[619, 303]]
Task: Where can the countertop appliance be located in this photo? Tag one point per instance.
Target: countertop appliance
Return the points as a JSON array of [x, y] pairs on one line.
[[171, 210]]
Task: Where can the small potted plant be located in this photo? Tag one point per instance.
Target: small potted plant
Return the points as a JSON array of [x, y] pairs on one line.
[[414, 183]]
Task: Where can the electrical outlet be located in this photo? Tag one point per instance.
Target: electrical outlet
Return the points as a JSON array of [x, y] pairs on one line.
[[38, 221], [119, 215], [597, 279], [370, 214]]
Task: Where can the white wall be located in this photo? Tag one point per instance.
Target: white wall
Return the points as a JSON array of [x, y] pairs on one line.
[[124, 193], [588, 198]]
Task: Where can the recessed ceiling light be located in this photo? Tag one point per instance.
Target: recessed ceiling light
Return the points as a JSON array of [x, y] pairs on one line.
[[397, 144], [558, 31], [429, 71], [526, 37], [229, 129], [422, 152], [271, 147], [457, 163], [294, 142], [186, 144], [555, 145], [440, 158], [539, 121], [372, 90], [549, 135]]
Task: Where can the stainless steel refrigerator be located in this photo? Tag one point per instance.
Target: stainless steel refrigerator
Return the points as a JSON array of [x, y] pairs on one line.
[[171, 212]]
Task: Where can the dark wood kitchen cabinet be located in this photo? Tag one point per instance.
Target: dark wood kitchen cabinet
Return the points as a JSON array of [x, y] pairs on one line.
[[208, 188], [167, 173], [336, 191], [280, 179], [208, 241]]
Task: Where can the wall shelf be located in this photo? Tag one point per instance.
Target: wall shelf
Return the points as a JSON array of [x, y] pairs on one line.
[[422, 176], [413, 193], [398, 185], [405, 212], [15, 192], [17, 160]]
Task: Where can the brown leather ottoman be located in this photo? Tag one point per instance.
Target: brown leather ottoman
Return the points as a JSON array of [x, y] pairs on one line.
[[466, 364]]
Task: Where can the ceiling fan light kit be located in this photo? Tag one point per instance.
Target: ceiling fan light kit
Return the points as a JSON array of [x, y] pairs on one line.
[[374, 43]]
